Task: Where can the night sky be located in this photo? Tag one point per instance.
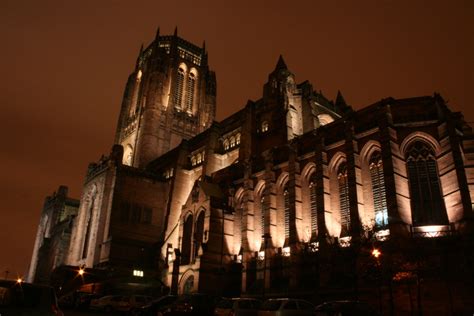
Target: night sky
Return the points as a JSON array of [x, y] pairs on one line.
[[64, 65]]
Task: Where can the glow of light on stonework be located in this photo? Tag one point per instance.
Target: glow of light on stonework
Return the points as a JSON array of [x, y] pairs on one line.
[[431, 231], [139, 75], [314, 246], [286, 252], [261, 255], [382, 235], [345, 241]]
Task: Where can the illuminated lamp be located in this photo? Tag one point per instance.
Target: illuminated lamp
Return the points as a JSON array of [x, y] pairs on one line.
[[376, 253], [286, 252]]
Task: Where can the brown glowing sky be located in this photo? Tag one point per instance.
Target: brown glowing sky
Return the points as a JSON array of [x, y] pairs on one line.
[[64, 65]]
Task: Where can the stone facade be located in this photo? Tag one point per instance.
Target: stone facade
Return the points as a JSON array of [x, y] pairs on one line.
[[53, 237], [239, 206]]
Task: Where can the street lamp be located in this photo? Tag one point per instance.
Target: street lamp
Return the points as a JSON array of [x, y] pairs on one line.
[[81, 271], [376, 253], [19, 280]]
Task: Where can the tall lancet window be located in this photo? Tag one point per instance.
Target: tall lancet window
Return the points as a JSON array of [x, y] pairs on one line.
[[313, 205], [344, 200], [378, 190], [178, 92], [186, 245], [261, 206], [286, 198], [199, 233], [190, 85], [90, 214], [426, 199]]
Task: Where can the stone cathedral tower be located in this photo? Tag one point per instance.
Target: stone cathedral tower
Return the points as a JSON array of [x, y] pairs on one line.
[[170, 96]]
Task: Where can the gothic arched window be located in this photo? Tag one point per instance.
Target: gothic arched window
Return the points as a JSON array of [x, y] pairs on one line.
[[190, 85], [237, 139], [378, 190], [188, 286], [344, 199], [178, 93], [186, 241], [264, 126], [286, 206], [87, 237], [232, 142], [427, 203], [199, 234], [313, 204], [226, 144], [261, 206]]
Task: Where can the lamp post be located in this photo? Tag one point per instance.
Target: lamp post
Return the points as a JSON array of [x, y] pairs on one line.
[[376, 253]]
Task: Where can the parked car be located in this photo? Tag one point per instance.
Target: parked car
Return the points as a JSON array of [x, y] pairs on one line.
[[157, 307], [107, 303], [132, 303], [83, 300], [18, 298], [345, 308], [193, 304], [237, 307], [119, 303], [286, 307]]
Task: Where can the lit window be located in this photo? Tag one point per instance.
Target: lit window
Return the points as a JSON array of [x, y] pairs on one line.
[[313, 246], [190, 92], [264, 126], [286, 252], [426, 198], [345, 241], [138, 273], [232, 142], [378, 191], [168, 173], [237, 139], [226, 144], [313, 205], [261, 255], [193, 160], [178, 93], [286, 201], [344, 200]]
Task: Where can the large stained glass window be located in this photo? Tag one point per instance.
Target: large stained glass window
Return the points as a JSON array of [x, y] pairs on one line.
[[426, 199], [344, 200], [378, 191]]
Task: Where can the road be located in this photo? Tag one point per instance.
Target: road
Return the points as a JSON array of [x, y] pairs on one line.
[[71, 312]]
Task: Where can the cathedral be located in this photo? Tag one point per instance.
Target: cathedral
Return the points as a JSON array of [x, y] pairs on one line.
[[249, 204]]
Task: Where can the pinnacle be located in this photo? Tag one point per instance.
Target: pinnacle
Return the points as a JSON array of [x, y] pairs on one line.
[[281, 64], [340, 99]]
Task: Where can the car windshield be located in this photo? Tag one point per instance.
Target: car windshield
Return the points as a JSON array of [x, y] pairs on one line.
[[271, 305], [248, 304], [165, 300], [225, 303]]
